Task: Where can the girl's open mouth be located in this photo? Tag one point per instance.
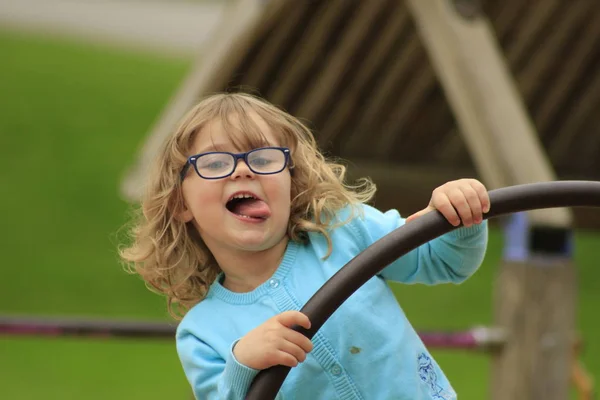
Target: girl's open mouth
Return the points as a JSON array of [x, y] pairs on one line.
[[248, 207]]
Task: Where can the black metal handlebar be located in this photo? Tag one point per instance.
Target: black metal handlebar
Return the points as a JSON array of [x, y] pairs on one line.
[[376, 257]]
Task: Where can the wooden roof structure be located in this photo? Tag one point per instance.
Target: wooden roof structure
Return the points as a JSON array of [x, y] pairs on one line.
[[359, 74]]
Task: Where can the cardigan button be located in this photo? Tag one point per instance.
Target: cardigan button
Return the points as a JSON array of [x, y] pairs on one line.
[[336, 370], [274, 283]]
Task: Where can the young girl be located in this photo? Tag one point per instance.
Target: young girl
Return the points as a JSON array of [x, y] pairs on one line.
[[244, 220]]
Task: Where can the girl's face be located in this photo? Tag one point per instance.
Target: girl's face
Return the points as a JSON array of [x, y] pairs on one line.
[[247, 225]]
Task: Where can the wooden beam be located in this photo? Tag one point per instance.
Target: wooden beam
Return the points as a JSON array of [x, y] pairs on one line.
[[570, 72], [310, 46], [432, 128], [406, 188], [323, 87], [587, 103], [451, 147], [412, 99], [507, 17], [491, 115], [383, 46], [268, 55], [589, 160], [509, 14], [239, 26], [556, 37], [533, 24], [392, 174], [383, 93], [534, 302]]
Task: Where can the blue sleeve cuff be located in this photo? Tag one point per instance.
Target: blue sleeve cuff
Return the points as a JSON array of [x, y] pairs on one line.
[[236, 374], [465, 233]]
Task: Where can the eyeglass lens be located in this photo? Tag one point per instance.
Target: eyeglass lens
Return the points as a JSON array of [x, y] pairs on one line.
[[260, 161]]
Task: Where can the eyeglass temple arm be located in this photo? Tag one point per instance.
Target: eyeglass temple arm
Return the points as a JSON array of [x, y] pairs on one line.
[[185, 169]]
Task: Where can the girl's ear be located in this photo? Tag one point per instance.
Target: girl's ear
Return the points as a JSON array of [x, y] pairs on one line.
[[185, 215]]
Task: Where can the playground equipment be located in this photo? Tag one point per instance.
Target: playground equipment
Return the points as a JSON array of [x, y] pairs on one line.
[[513, 199], [474, 339], [401, 88], [404, 239]]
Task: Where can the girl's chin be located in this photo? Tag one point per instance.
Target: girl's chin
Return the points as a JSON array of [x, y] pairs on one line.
[[254, 241]]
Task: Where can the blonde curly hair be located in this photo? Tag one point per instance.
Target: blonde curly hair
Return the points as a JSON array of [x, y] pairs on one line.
[[169, 254]]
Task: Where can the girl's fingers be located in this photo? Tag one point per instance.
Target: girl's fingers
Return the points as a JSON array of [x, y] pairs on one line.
[[286, 359], [293, 350], [291, 318], [473, 203], [482, 193], [298, 339], [459, 201], [442, 203]]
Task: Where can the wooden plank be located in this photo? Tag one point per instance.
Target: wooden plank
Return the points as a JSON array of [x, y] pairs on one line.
[[324, 86], [490, 113], [522, 21], [395, 174], [589, 160], [507, 19], [534, 302], [434, 128], [450, 148], [306, 50], [268, 56], [385, 90], [587, 104], [530, 29], [447, 59], [570, 72], [539, 62], [413, 98], [241, 24], [519, 21], [382, 47], [590, 147]]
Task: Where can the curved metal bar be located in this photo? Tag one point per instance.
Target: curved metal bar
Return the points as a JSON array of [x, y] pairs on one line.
[[48, 326], [376, 257]]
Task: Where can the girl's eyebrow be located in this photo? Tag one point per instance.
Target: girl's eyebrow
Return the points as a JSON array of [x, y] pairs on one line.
[[227, 147], [214, 147]]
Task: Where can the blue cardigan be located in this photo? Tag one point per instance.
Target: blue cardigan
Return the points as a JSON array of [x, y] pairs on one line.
[[366, 350]]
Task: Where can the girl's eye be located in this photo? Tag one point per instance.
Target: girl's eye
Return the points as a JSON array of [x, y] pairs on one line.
[[261, 161], [213, 164]]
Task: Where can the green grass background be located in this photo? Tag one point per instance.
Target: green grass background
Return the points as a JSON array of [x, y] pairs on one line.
[[71, 117]]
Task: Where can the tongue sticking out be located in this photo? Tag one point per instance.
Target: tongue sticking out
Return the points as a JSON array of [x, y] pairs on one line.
[[251, 208]]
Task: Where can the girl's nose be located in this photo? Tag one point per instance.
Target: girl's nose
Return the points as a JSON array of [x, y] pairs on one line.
[[242, 170]]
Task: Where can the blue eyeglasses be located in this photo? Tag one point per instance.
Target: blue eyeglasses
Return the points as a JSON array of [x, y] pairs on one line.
[[221, 164]]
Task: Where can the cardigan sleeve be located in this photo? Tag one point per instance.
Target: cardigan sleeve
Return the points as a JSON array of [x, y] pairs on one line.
[[450, 258], [211, 376]]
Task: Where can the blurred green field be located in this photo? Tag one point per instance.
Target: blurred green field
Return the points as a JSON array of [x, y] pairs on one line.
[[71, 118]]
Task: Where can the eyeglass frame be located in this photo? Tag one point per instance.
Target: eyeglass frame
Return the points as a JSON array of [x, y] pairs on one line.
[[191, 161]]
